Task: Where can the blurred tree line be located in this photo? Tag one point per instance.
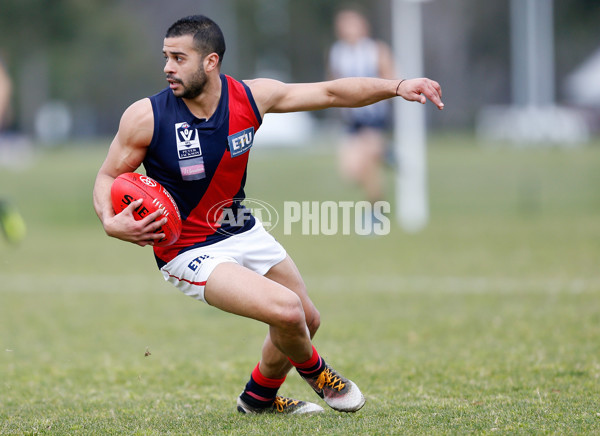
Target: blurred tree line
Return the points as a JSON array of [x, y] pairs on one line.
[[89, 54], [98, 56]]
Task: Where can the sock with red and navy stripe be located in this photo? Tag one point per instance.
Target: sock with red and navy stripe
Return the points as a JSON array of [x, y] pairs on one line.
[[312, 367], [261, 391]]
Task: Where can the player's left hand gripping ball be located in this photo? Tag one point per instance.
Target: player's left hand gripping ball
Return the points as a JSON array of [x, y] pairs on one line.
[[129, 187]]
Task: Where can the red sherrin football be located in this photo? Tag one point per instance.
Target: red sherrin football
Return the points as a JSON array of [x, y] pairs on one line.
[[129, 187]]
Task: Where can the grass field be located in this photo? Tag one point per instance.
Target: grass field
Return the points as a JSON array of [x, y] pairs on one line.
[[486, 322]]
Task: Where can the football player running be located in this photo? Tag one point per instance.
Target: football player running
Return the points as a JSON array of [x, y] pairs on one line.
[[187, 137]]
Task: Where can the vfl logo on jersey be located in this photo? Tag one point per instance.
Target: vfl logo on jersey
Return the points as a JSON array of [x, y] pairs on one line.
[[240, 142], [188, 143]]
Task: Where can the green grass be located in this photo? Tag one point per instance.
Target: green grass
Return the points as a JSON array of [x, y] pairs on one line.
[[486, 322]]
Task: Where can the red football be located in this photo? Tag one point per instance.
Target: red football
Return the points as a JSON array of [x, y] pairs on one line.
[[129, 187]]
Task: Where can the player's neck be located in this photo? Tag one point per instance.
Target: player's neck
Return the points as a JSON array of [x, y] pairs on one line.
[[205, 105]]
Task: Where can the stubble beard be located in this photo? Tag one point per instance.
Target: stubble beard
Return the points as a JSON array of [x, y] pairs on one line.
[[196, 86]]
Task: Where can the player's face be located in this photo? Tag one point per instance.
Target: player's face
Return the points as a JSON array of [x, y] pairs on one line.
[[184, 68], [351, 26]]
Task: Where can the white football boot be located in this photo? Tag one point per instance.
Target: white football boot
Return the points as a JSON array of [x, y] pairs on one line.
[[338, 392], [281, 405]]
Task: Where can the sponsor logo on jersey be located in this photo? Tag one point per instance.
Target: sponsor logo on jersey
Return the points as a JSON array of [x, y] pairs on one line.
[[195, 264], [192, 169], [240, 142], [188, 142]]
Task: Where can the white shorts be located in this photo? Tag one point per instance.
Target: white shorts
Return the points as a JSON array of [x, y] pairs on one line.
[[254, 249]]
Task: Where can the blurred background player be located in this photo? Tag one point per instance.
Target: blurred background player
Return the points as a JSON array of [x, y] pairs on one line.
[[362, 150], [11, 223]]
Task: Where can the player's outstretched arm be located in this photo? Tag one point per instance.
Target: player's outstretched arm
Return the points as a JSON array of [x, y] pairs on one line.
[[274, 96]]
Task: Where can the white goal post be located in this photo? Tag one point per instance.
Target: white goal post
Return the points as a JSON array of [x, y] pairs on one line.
[[412, 205]]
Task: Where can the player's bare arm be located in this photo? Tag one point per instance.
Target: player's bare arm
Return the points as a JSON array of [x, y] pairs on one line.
[[274, 96], [126, 153]]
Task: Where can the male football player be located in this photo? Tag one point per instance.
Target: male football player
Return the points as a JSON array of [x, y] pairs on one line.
[[195, 137]]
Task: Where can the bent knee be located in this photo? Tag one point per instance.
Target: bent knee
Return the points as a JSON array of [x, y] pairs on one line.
[[290, 313], [313, 321]]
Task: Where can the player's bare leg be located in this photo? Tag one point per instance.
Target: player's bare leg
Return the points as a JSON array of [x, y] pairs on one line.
[[360, 162], [237, 290], [275, 364], [338, 392]]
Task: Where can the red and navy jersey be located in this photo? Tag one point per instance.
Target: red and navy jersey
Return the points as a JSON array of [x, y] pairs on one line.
[[203, 164]]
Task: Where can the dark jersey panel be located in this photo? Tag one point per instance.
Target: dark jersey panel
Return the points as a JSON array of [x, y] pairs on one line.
[[203, 164]]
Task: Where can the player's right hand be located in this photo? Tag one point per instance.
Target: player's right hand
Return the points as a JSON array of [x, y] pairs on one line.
[[142, 232]]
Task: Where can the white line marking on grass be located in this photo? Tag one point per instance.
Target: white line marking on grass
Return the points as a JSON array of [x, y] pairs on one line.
[[450, 284], [104, 283], [107, 283]]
